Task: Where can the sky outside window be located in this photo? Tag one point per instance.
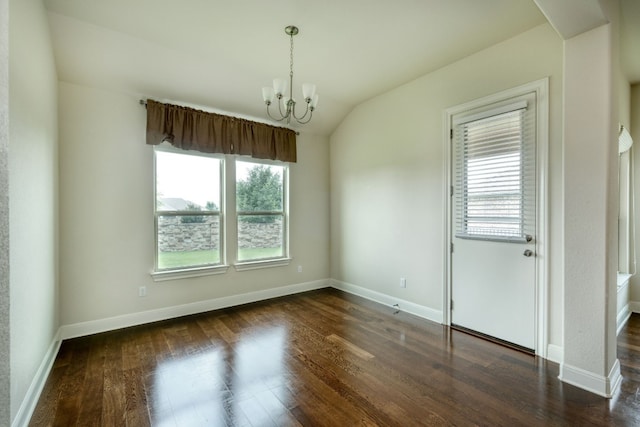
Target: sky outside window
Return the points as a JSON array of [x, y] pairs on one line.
[[195, 179]]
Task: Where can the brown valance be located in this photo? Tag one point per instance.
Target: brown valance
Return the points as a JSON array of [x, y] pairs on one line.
[[192, 129]]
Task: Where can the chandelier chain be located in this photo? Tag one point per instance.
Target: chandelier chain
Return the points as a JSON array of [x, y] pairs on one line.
[[291, 59]]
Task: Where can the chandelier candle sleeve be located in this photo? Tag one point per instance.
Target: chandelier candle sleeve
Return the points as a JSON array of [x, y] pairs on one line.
[[308, 90], [268, 95], [280, 86], [283, 91]]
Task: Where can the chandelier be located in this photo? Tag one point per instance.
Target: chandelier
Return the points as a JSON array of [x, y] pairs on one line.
[[287, 103]]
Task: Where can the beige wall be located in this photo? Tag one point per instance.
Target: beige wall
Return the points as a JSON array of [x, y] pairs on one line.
[[5, 382], [33, 191], [634, 127], [591, 205], [384, 171], [106, 212], [387, 178], [624, 222]]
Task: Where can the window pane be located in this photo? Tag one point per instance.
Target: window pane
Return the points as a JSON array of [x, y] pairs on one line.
[[188, 241], [187, 182], [260, 236], [259, 188], [494, 197], [490, 176]]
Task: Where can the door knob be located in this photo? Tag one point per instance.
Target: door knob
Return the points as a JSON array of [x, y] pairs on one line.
[[528, 253]]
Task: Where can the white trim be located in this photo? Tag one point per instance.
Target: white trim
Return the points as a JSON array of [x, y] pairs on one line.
[[139, 318], [133, 319], [598, 384], [622, 298], [267, 263], [75, 330], [384, 299], [555, 353], [622, 318], [28, 405], [541, 89], [622, 279], [159, 275], [163, 276], [519, 105], [447, 158], [25, 412], [634, 306]]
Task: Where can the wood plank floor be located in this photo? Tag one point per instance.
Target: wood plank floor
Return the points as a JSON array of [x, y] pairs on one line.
[[322, 358]]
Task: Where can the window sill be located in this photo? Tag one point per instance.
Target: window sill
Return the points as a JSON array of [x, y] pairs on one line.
[[161, 276], [268, 263]]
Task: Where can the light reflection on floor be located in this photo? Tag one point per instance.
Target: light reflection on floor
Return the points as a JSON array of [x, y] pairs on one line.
[[223, 385]]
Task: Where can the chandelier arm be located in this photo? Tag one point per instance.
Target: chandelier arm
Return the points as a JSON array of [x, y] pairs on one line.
[[298, 118], [273, 118], [286, 113], [306, 121]]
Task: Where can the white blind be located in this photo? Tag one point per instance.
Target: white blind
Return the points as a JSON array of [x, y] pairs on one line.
[[495, 174]]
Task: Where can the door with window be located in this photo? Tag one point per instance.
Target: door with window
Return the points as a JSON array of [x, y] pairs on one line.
[[493, 271]]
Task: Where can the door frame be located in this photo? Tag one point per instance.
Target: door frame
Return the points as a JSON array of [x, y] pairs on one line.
[[541, 89]]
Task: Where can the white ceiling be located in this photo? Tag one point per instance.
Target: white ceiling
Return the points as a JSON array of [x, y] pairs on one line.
[[219, 54]]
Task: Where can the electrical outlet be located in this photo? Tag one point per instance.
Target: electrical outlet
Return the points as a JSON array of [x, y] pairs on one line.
[[299, 269], [403, 282], [142, 291]]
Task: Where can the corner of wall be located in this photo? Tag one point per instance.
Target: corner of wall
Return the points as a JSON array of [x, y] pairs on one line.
[[555, 353], [604, 386], [28, 405], [390, 301], [32, 161], [5, 383]]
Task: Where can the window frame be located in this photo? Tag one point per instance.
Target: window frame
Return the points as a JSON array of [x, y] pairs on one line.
[[525, 105], [473, 193], [221, 266], [228, 233], [278, 261]]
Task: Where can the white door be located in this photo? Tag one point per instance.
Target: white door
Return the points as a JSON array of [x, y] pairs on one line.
[[493, 234]]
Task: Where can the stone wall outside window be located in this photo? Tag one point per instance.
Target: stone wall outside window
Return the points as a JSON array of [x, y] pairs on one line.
[[175, 236]]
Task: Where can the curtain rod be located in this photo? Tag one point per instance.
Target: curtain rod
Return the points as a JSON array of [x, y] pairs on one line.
[[144, 102]]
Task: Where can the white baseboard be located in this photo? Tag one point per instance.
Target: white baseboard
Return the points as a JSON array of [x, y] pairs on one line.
[[622, 318], [133, 319], [28, 405], [30, 401], [575, 376], [403, 305], [598, 384], [555, 353]]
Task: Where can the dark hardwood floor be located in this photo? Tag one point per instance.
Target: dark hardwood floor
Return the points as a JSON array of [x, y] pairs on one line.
[[323, 358]]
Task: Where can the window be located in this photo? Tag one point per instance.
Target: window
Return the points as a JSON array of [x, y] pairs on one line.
[[188, 220], [495, 182], [261, 211], [191, 213]]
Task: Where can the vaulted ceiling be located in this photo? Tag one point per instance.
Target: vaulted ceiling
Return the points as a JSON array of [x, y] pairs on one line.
[[219, 54]]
